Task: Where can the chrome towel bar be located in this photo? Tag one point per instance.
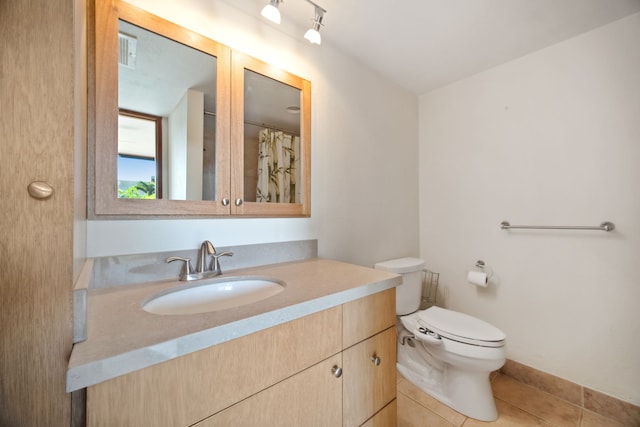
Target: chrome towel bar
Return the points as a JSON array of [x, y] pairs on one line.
[[605, 226]]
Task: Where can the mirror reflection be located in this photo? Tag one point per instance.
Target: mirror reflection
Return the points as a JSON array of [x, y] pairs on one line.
[[167, 120], [271, 140], [183, 126]]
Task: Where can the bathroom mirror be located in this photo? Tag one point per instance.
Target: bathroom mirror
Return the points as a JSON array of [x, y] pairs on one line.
[[270, 133], [163, 84], [174, 132]]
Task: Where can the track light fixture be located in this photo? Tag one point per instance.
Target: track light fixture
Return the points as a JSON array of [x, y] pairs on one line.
[[313, 33], [272, 13]]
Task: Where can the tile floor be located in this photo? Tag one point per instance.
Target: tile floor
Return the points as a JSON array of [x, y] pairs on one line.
[[518, 405]]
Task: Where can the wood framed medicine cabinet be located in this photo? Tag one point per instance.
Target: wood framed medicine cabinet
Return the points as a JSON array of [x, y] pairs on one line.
[[220, 122]]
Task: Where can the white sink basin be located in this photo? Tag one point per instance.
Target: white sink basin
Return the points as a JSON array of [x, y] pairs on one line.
[[213, 294]]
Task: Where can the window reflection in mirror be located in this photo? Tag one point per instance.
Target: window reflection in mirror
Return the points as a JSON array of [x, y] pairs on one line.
[[139, 156], [271, 140], [162, 78]]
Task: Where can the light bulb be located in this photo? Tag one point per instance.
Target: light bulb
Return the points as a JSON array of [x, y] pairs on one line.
[[313, 36], [271, 12]]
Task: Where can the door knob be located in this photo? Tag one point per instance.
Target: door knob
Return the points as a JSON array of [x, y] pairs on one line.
[[376, 360], [238, 202], [40, 190]]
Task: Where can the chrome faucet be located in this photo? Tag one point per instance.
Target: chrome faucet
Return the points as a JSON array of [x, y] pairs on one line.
[[202, 270], [206, 248]]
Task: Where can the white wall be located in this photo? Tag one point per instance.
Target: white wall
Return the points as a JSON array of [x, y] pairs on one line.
[[186, 143], [551, 138], [364, 205]]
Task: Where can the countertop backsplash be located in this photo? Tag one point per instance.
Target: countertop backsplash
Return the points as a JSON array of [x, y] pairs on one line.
[[141, 268]]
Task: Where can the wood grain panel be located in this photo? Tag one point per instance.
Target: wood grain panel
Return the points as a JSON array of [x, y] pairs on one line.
[[387, 417], [312, 398], [36, 247], [203, 383], [368, 316], [369, 387]]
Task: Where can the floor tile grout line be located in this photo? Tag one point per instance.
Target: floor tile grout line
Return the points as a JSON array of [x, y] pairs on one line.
[[431, 410], [580, 417], [538, 417], [530, 387], [580, 406], [543, 392]]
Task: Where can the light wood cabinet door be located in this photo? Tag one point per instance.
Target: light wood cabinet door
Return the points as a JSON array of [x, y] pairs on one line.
[[312, 398], [185, 390], [367, 316], [369, 377]]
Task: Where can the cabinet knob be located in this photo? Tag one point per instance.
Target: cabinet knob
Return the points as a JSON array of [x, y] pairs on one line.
[[238, 202], [376, 360], [336, 371], [225, 202], [40, 190]]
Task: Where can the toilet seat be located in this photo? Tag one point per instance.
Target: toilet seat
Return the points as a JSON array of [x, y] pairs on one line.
[[456, 326]]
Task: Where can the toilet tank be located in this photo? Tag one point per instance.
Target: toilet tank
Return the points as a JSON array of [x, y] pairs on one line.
[[409, 293]]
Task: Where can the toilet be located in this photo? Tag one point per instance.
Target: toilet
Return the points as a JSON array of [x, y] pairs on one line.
[[447, 354]]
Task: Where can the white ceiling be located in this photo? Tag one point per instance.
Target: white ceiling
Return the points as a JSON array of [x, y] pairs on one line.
[[425, 44]]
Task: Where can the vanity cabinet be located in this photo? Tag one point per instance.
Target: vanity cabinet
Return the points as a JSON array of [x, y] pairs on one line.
[[284, 376]]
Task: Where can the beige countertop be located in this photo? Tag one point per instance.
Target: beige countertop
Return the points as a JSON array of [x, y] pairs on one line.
[[123, 338]]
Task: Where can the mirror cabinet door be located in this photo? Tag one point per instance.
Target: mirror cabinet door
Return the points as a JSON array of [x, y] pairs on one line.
[[161, 117], [270, 134], [182, 126]]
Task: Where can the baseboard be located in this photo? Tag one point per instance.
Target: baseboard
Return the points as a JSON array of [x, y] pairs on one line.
[[608, 406]]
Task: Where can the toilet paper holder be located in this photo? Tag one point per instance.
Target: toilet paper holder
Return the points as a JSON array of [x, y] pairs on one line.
[[480, 264], [481, 275]]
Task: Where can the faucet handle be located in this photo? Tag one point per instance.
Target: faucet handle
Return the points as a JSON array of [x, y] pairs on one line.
[[187, 268], [215, 264]]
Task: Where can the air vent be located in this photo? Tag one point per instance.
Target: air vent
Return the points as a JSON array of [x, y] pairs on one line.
[[127, 46]]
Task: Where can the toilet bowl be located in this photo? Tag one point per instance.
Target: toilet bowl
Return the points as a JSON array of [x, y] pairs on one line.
[[447, 354]]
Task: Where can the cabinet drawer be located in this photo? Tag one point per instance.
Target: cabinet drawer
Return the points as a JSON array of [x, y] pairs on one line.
[[369, 386], [190, 388], [312, 398], [367, 316]]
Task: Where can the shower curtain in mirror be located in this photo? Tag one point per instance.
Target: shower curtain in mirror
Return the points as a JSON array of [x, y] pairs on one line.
[[278, 167]]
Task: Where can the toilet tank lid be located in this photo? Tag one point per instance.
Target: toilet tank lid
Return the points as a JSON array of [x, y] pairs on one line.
[[401, 265]]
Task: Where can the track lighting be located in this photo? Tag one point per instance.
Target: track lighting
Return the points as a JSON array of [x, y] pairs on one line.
[[313, 33], [271, 11]]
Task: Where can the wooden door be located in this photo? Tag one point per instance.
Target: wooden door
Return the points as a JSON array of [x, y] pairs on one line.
[[36, 243]]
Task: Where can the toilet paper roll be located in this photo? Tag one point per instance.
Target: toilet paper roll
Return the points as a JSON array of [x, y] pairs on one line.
[[478, 278]]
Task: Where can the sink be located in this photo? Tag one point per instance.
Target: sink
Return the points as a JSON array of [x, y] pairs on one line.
[[213, 294]]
